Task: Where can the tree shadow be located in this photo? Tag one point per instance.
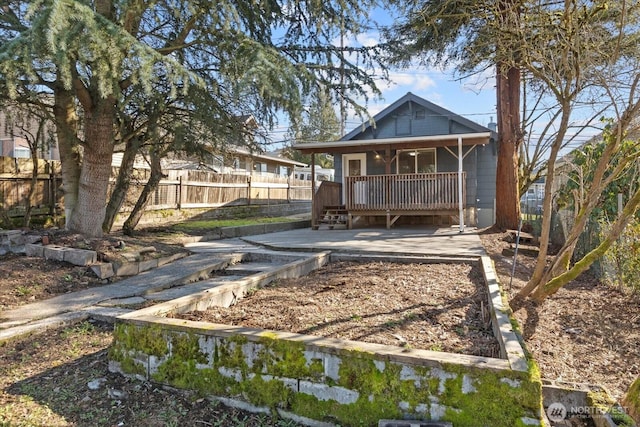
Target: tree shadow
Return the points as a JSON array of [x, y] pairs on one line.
[[531, 309]]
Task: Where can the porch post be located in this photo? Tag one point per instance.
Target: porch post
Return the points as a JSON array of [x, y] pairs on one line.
[[314, 218], [460, 192]]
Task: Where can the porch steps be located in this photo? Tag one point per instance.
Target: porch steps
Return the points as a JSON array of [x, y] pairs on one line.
[[334, 215]]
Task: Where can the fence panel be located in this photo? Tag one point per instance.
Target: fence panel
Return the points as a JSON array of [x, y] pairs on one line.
[[180, 188]]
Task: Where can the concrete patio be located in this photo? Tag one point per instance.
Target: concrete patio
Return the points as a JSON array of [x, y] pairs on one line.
[[409, 240]]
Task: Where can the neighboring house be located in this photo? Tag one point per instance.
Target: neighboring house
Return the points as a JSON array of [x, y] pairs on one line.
[[236, 162], [240, 160], [14, 143], [420, 161], [531, 201], [321, 174]]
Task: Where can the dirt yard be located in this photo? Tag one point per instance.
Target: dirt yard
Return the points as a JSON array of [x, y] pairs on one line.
[[427, 306]]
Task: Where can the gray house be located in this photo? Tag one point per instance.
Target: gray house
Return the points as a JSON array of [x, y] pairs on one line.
[[418, 163]]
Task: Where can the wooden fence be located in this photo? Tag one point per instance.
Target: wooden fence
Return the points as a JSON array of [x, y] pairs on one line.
[[181, 189]]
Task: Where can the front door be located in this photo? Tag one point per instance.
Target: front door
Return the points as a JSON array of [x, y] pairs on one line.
[[354, 165]]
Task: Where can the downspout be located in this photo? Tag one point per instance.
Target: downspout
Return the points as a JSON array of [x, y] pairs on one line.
[[460, 192]]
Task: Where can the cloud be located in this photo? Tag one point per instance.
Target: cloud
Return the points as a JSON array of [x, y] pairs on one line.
[[368, 39], [415, 81]]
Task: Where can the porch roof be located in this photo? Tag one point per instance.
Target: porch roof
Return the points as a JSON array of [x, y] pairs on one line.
[[410, 142]]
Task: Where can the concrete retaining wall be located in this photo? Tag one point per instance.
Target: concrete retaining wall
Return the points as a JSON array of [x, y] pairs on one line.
[[331, 380]]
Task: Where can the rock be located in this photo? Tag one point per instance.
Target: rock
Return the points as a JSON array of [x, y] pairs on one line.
[[96, 384], [103, 270], [117, 394]]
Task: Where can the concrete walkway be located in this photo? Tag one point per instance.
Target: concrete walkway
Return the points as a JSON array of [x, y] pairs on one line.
[[69, 308]]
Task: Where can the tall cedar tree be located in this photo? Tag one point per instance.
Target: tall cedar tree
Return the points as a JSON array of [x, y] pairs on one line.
[[469, 35], [106, 61]]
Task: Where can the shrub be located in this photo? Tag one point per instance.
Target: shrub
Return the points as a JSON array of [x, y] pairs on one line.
[[622, 260]]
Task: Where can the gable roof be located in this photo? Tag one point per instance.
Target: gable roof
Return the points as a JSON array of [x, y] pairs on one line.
[[410, 97]]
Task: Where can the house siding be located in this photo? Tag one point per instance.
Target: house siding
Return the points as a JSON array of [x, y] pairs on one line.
[[412, 116], [431, 124]]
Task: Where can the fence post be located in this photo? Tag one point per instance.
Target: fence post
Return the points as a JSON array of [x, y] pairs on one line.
[[249, 190], [288, 188], [52, 191], [179, 192]]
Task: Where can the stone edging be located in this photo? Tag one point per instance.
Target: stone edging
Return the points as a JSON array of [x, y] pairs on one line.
[[88, 258]]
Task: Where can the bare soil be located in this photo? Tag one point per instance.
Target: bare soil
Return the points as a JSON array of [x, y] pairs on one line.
[[425, 306]]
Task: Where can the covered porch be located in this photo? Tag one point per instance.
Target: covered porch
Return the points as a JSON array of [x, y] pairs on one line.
[[392, 194]]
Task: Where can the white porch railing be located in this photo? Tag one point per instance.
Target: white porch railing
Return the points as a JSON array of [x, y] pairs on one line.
[[406, 192]]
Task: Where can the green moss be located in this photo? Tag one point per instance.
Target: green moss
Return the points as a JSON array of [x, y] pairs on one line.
[[284, 358], [600, 399], [272, 393], [146, 339], [187, 346], [230, 355], [494, 402], [363, 412], [488, 399], [130, 366], [620, 418], [632, 399]]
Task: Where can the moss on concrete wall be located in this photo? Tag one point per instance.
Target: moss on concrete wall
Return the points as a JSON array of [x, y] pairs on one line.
[[349, 387]]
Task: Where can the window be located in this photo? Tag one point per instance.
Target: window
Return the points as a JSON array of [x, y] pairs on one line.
[[420, 115], [21, 153], [416, 161]]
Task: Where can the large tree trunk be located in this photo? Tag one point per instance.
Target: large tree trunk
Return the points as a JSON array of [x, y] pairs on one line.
[[507, 197], [143, 201], [96, 169], [64, 111], [119, 193]]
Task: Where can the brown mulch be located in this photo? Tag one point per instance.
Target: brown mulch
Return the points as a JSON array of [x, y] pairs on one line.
[[588, 332], [24, 280], [423, 306]]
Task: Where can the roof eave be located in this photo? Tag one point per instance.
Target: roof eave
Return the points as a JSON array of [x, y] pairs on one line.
[[430, 141]]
